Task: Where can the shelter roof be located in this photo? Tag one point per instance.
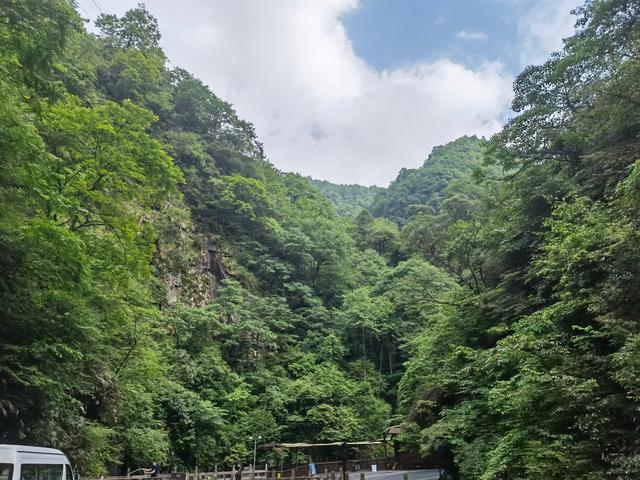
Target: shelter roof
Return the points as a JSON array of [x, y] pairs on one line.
[[312, 445], [393, 430]]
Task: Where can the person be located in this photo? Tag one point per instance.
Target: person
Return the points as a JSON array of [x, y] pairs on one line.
[[153, 471], [238, 475]]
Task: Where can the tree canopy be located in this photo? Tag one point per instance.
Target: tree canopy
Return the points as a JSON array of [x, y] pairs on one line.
[[166, 293]]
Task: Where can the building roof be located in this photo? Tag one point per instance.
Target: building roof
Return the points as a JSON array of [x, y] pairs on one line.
[[312, 445], [393, 430]]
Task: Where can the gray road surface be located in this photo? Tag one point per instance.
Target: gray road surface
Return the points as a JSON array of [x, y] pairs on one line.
[[396, 475]]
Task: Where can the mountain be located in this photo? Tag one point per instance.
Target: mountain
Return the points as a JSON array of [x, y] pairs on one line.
[[426, 185], [348, 199], [167, 294]]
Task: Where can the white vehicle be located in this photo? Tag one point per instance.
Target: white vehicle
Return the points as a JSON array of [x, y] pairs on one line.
[[22, 462]]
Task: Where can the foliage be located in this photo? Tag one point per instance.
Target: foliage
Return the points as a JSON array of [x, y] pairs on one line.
[[424, 186], [166, 293], [529, 374], [160, 278], [348, 199]]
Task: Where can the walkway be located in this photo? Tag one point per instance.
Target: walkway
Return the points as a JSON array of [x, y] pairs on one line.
[[397, 475]]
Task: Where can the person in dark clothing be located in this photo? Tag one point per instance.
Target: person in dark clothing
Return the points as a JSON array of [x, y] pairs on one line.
[[153, 471], [239, 472]]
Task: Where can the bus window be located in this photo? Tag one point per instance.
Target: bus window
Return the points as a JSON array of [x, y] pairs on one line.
[[40, 472], [6, 471], [68, 473]]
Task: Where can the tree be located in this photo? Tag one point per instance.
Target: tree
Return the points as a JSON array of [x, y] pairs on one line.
[[136, 29]]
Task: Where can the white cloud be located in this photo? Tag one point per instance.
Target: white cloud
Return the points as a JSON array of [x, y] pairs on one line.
[[465, 35], [543, 26], [289, 67]]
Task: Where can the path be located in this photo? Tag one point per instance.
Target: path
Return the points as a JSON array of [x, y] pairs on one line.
[[397, 475]]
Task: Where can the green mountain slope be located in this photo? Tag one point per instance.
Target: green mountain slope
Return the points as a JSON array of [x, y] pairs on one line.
[[348, 199], [166, 293], [426, 185]]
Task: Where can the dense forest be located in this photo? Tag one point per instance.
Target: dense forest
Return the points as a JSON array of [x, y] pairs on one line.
[[348, 199], [427, 185], [166, 293]]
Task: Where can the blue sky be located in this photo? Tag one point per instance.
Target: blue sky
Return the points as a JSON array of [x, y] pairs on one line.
[[352, 91], [390, 34]]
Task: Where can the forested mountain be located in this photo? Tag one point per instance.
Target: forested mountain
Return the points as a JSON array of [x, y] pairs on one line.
[[425, 186], [530, 370], [414, 188], [348, 199], [165, 292]]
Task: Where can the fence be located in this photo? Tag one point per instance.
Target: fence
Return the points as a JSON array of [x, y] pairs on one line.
[[217, 475], [324, 471]]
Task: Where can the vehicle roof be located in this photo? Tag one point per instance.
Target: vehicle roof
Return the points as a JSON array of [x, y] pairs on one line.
[[9, 453]]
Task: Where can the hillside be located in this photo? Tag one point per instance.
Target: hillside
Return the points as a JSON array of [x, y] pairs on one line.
[[348, 199], [167, 295], [426, 185], [181, 293]]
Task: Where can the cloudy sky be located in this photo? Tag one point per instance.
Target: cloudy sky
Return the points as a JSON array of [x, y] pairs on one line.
[[353, 90]]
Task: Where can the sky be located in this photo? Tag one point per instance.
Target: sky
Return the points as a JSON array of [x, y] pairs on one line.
[[352, 91]]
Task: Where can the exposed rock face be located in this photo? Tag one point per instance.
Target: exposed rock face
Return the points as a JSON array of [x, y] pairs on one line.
[[212, 263], [189, 265]]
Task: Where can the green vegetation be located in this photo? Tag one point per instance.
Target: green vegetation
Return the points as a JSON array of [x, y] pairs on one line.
[[347, 199], [166, 292], [424, 187], [530, 370]]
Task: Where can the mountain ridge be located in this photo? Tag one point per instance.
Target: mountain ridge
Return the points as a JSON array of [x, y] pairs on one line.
[[423, 185]]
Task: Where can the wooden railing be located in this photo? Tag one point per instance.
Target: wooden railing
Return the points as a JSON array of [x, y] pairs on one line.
[[324, 471], [218, 475]]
